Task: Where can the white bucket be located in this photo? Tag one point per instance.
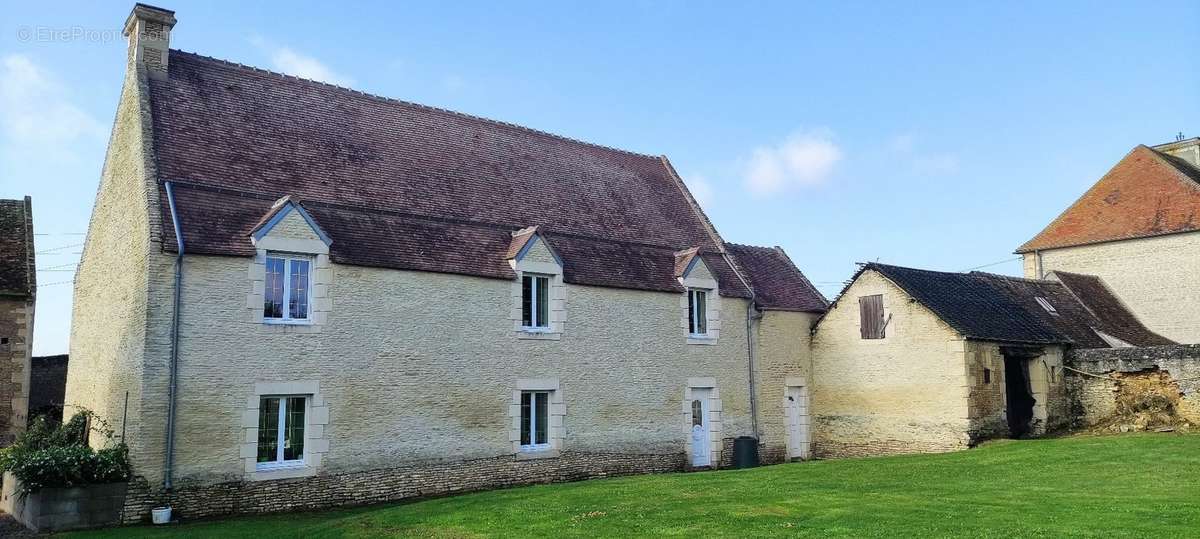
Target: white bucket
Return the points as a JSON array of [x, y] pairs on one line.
[[161, 515]]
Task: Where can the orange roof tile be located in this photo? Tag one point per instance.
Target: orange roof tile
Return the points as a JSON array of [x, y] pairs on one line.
[[1147, 193]]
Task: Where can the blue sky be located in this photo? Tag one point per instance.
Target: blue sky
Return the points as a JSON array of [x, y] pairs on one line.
[[938, 135]]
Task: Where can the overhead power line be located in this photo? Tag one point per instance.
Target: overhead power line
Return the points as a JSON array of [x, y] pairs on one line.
[[1005, 261]]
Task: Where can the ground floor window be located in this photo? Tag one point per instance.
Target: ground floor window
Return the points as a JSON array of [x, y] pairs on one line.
[[281, 431], [535, 420]]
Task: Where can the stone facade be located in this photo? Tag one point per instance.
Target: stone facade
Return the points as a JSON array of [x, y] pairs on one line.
[[16, 348], [987, 400], [904, 393], [921, 388], [783, 360], [1094, 398], [1157, 277], [388, 484], [410, 379]]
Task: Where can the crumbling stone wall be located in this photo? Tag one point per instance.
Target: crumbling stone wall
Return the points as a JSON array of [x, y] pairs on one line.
[[1130, 388]]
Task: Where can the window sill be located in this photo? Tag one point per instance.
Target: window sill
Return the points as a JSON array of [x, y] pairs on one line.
[[283, 322], [283, 471], [534, 454], [701, 339], [539, 335]]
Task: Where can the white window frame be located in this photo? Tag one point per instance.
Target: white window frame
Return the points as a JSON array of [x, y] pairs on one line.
[[698, 317], [534, 446], [287, 289], [537, 325], [279, 463]]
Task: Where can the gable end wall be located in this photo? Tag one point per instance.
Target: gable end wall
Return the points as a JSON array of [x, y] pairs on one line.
[[905, 393]]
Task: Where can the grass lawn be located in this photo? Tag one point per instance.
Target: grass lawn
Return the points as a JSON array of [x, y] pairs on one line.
[[1145, 485]]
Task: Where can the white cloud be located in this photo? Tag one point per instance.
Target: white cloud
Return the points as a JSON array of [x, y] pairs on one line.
[[306, 67], [288, 60], [701, 190], [804, 158], [904, 147], [34, 106]]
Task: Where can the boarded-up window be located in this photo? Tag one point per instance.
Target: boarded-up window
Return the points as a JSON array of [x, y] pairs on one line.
[[871, 322]]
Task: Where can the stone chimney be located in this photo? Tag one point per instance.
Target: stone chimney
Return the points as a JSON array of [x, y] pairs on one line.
[[149, 31], [1187, 149]]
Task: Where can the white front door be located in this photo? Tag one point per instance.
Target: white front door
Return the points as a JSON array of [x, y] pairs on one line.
[[798, 435], [701, 450]]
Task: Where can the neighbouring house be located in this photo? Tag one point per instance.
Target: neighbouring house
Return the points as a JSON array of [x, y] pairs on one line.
[[295, 295], [909, 360], [18, 287], [1138, 228], [48, 386]]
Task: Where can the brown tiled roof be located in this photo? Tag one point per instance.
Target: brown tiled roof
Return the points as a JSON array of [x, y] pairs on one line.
[[18, 276], [400, 185], [1115, 318], [990, 307], [778, 284], [1148, 193]]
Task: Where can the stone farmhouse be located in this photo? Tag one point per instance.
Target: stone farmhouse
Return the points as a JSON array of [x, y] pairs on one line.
[[1138, 228], [910, 360], [18, 288], [295, 295]]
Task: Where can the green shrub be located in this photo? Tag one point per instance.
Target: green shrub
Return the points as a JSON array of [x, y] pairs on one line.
[[47, 456]]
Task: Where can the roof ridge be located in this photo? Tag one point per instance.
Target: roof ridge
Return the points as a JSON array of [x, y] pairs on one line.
[[1010, 277], [230, 63], [482, 224]]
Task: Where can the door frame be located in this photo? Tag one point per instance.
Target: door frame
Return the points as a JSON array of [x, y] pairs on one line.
[[797, 418], [705, 388]]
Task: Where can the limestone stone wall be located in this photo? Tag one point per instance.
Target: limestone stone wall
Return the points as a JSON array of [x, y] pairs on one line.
[[420, 367], [16, 332], [113, 349], [783, 356], [387, 484], [987, 402], [1158, 278], [986, 398], [1094, 397], [901, 394]]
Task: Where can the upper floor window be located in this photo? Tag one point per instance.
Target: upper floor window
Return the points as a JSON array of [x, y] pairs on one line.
[[697, 312], [287, 291], [535, 301], [281, 432], [872, 324]]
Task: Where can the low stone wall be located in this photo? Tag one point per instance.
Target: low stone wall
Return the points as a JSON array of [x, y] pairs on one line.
[[60, 509], [384, 485], [1095, 399]]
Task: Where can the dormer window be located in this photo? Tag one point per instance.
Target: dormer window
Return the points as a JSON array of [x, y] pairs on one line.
[[287, 294], [697, 312], [535, 302]]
